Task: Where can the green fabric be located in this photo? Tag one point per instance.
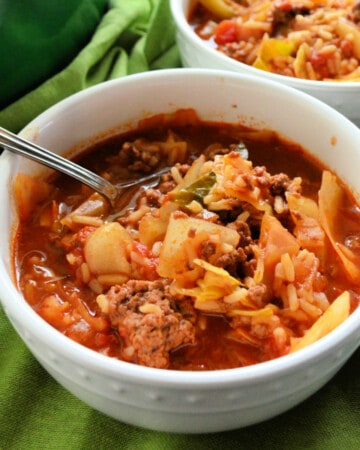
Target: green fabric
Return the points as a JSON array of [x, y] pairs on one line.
[[30, 31], [133, 36], [37, 413]]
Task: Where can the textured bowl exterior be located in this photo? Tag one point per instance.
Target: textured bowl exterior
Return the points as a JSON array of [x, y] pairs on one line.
[[185, 402], [344, 97]]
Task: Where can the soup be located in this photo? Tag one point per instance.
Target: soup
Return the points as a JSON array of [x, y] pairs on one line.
[[245, 250], [302, 39]]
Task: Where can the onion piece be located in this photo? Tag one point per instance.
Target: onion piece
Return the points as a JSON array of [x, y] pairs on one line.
[[330, 198], [336, 313]]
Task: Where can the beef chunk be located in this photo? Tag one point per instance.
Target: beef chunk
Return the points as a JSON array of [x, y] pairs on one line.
[[233, 262], [150, 321], [279, 184], [244, 232], [207, 249], [153, 197], [140, 155], [284, 13]]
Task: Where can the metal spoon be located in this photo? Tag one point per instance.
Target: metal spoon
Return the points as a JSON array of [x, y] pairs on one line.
[[16, 144]]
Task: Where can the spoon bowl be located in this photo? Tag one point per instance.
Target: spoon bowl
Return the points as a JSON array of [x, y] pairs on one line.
[[21, 146]]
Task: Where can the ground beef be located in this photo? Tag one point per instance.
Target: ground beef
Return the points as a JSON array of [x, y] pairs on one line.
[[167, 183], [207, 249], [182, 168], [263, 180], [284, 13], [153, 197], [279, 184], [236, 207], [217, 149], [150, 321], [258, 294], [237, 261], [243, 230], [233, 262], [140, 155]]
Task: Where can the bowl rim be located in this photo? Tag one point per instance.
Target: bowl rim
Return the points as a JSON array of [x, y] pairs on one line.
[[72, 350], [177, 10]]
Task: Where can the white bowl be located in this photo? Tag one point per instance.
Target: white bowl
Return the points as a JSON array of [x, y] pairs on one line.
[[343, 96], [166, 400]]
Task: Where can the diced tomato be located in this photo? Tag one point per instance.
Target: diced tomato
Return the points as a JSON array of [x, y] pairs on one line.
[[148, 269], [347, 48], [284, 6], [225, 32], [320, 65], [141, 249]]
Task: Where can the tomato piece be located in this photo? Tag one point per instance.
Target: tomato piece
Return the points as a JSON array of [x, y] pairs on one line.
[[226, 32], [148, 268], [347, 48], [284, 6], [141, 249], [320, 65]]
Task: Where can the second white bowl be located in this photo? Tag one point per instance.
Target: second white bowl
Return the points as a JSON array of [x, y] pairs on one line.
[[343, 96]]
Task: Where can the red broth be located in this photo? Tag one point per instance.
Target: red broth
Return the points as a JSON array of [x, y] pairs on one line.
[[57, 279]]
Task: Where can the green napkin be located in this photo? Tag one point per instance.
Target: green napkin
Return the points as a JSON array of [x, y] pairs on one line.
[[133, 36], [36, 413], [31, 30]]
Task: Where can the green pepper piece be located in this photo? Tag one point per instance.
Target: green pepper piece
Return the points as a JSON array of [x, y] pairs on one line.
[[195, 191]]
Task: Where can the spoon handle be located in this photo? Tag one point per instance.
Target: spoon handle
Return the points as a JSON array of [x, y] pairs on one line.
[[16, 144]]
